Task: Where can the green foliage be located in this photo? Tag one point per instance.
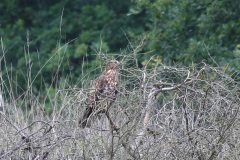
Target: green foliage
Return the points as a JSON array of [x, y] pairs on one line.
[[180, 29], [34, 34]]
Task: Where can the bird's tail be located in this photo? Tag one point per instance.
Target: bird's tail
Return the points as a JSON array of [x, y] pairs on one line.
[[88, 118]]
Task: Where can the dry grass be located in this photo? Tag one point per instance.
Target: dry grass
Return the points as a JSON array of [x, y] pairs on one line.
[[163, 112]]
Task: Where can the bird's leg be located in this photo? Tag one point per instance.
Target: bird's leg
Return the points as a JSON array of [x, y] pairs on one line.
[[111, 122]]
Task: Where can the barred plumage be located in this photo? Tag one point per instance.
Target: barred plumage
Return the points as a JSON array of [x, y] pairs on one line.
[[102, 94]]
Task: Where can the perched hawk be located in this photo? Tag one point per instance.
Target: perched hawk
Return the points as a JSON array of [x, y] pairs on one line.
[[103, 93]]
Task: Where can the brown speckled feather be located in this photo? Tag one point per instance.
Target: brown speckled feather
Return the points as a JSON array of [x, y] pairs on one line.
[[102, 94]]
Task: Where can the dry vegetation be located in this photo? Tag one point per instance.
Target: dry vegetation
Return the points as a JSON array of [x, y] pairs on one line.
[[162, 112]]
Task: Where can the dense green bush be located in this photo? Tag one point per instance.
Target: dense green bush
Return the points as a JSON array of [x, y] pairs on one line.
[[180, 30], [185, 31], [39, 29]]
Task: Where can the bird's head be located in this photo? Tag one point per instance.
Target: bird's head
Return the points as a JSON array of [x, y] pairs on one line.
[[113, 64]]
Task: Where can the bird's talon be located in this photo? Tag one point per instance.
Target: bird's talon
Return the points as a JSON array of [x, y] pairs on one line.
[[115, 127]]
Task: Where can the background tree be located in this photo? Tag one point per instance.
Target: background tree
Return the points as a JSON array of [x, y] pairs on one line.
[[176, 31], [37, 30], [180, 30]]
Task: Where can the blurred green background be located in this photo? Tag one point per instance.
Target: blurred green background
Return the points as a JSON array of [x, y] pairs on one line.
[[183, 31]]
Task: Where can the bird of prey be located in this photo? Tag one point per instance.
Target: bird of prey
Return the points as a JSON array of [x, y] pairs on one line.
[[102, 94]]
